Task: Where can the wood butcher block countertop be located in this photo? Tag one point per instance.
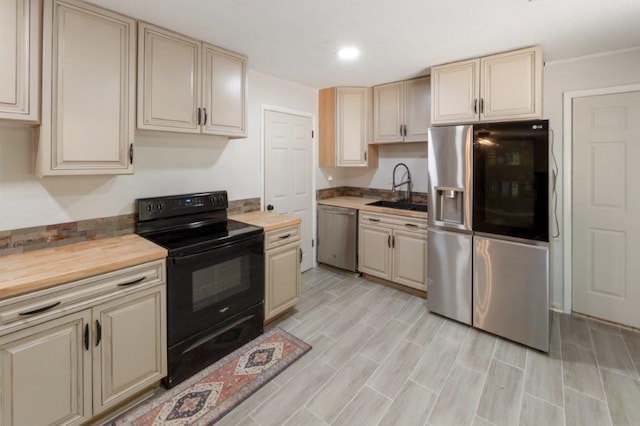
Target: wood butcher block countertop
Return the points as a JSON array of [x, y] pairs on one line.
[[39, 269], [360, 203], [267, 220]]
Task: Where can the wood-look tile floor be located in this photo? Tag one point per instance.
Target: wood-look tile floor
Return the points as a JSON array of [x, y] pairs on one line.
[[379, 357]]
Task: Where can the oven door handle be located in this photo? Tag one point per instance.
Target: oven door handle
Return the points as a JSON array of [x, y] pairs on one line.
[[234, 245]]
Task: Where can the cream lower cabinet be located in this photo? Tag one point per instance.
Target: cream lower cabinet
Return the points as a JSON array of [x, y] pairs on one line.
[[70, 353], [88, 90], [393, 248], [283, 255]]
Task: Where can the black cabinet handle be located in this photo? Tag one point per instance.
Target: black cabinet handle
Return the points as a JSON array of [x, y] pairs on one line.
[[481, 106], [284, 237], [404, 133], [300, 255], [475, 106], [205, 116], [86, 336], [389, 241], [98, 332], [38, 310], [411, 225], [198, 117], [136, 281], [130, 153], [393, 242], [374, 220]]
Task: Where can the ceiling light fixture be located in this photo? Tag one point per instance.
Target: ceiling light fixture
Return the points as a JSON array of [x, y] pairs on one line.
[[348, 53]]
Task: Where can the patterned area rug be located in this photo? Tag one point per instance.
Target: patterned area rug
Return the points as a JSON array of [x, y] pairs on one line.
[[207, 396]]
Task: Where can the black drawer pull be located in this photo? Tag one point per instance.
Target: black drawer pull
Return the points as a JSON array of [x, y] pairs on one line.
[[284, 237], [38, 310], [136, 281], [374, 220], [412, 225]]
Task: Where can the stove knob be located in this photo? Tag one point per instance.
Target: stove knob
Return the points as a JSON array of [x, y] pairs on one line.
[[149, 207], [159, 206]]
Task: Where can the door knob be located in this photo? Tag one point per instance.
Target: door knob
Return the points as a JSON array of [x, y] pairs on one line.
[[269, 207]]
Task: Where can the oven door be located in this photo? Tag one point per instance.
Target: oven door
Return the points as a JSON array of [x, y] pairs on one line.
[[206, 288]]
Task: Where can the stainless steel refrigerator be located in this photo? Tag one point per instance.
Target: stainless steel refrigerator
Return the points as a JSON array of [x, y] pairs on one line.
[[488, 243]]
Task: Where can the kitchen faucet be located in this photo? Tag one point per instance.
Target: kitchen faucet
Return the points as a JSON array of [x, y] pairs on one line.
[[394, 185]]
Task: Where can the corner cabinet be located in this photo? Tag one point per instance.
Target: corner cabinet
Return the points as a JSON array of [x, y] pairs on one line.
[[88, 91], [20, 65], [283, 255], [393, 248], [401, 111], [345, 128], [188, 86], [506, 86], [77, 350]]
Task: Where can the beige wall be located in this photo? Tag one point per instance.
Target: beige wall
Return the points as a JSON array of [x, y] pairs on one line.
[[165, 164], [591, 72]]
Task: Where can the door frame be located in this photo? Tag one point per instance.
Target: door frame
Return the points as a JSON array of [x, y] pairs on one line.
[[567, 187], [314, 160]]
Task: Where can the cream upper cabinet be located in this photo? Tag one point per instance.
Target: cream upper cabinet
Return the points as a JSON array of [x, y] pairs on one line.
[[401, 111], [168, 80], [20, 64], [345, 128], [224, 92], [88, 92], [188, 86], [506, 86]]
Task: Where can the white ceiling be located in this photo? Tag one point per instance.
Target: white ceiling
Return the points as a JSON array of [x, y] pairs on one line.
[[297, 40]]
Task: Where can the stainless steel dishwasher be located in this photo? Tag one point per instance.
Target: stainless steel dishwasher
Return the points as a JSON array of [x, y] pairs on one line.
[[338, 237]]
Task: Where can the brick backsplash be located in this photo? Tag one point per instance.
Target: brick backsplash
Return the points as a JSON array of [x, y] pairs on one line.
[[38, 237], [384, 194]]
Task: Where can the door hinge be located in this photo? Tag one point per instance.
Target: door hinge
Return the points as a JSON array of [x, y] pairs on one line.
[[313, 243]]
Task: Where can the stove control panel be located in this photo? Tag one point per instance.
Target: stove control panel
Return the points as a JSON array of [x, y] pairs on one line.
[[180, 205]]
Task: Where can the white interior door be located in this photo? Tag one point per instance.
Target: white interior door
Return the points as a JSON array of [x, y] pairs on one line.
[[288, 172], [606, 207]]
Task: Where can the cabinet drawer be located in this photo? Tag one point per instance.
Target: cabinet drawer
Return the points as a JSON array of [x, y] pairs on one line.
[[45, 304], [393, 221], [280, 237]]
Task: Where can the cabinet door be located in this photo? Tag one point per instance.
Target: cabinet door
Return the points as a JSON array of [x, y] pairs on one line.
[[410, 259], [20, 65], [455, 92], [282, 272], [129, 346], [388, 112], [417, 111], [351, 125], [45, 374], [88, 90], [512, 85], [374, 251], [168, 80], [224, 92]]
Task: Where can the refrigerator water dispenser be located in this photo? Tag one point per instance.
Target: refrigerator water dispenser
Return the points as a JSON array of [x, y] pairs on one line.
[[450, 208]]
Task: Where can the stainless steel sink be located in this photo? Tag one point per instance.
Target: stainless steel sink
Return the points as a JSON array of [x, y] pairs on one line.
[[400, 205]]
